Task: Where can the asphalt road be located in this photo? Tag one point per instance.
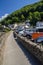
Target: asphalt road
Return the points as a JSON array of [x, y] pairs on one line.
[[16, 54]]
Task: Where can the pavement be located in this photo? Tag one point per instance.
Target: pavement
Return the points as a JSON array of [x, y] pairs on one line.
[[16, 54]]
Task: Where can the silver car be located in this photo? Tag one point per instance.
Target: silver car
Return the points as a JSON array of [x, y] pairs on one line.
[[39, 40], [28, 32]]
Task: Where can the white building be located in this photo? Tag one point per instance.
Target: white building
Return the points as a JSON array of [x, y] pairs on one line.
[[39, 24], [27, 23]]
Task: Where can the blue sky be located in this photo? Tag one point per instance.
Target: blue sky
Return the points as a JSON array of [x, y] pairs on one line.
[[8, 6]]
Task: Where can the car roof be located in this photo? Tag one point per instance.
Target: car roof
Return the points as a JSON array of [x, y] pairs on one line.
[[39, 27], [40, 37]]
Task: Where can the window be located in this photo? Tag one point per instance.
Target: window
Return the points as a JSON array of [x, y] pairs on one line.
[[39, 30]]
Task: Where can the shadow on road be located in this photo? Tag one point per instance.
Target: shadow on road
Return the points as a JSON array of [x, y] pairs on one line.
[[29, 56]]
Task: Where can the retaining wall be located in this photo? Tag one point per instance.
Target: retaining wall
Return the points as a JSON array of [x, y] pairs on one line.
[[32, 47]]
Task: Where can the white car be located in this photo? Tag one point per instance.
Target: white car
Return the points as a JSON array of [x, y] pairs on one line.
[[21, 32], [28, 32]]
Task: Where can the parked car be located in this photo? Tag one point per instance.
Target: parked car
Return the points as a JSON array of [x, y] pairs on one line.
[[27, 22], [39, 39], [38, 33], [28, 32], [21, 32], [19, 29]]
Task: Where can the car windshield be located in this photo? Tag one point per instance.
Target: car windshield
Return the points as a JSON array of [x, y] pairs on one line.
[[20, 28], [39, 30], [30, 30], [40, 38]]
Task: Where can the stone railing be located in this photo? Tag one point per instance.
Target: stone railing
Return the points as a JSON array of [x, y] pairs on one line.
[[32, 47]]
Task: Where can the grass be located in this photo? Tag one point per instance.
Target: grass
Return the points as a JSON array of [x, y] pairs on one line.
[[6, 29]]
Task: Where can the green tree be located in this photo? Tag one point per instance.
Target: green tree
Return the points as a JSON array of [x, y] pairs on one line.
[[33, 12], [36, 16], [16, 19], [22, 17], [30, 16], [41, 14], [3, 22]]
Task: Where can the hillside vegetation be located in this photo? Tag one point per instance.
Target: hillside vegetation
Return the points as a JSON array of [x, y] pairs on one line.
[[33, 12]]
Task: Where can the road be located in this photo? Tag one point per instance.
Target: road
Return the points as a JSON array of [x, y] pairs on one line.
[[16, 54]]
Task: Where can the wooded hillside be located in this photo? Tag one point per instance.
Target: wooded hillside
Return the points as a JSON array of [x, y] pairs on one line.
[[33, 12]]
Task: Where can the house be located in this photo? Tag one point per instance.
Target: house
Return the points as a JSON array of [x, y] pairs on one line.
[[38, 24]]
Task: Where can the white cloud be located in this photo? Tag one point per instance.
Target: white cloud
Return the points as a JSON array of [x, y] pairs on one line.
[[3, 17]]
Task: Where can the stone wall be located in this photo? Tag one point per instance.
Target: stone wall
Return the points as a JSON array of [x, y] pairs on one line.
[[32, 47], [2, 39], [2, 45]]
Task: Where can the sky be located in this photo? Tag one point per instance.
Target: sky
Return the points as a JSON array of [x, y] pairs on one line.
[[8, 6]]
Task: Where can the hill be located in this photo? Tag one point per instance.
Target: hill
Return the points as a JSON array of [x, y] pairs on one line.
[[33, 12]]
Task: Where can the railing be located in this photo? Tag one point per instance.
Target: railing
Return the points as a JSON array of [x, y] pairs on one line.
[[32, 47], [25, 38]]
